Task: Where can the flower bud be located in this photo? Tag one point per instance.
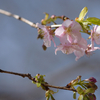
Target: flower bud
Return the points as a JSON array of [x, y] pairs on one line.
[[64, 17], [92, 96], [44, 47], [43, 22], [53, 16], [91, 79]]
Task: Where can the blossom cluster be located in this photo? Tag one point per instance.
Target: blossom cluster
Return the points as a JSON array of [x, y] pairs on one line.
[[71, 40]]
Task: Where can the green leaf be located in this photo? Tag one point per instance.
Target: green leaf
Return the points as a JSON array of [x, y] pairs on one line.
[[89, 90], [52, 92], [47, 98], [46, 16], [52, 98], [85, 98], [93, 20], [83, 13], [80, 97], [74, 95], [43, 22], [48, 94], [38, 84], [80, 90], [33, 82], [86, 25], [50, 20]]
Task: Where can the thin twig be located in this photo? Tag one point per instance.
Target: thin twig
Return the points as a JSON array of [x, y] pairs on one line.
[[59, 87], [18, 17], [58, 25], [19, 74], [33, 79]]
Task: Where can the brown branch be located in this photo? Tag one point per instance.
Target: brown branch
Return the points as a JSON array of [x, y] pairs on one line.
[[59, 87], [33, 79], [19, 74], [18, 17]]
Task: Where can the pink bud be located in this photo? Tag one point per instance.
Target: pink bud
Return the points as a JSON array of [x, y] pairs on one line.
[[91, 79], [53, 16]]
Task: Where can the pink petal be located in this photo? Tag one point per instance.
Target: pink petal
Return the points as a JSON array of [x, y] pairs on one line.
[[65, 49], [83, 43], [98, 30], [60, 47], [42, 27], [59, 31], [64, 40], [96, 34], [76, 36], [70, 38], [67, 23], [79, 53], [76, 26], [39, 25]]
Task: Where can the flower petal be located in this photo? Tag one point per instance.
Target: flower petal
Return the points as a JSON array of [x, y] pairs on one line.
[[67, 23], [59, 31]]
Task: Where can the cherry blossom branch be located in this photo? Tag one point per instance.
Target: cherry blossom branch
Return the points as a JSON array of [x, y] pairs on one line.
[[33, 79], [19, 74], [18, 17], [22, 19]]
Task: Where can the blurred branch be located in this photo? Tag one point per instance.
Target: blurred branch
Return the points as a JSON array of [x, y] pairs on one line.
[[18, 17], [33, 79]]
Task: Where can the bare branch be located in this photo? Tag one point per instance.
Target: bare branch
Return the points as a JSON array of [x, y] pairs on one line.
[[33, 79], [59, 87], [19, 74], [18, 17]]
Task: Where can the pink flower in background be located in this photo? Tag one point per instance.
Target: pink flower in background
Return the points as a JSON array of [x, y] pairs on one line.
[[69, 32], [95, 34], [47, 36]]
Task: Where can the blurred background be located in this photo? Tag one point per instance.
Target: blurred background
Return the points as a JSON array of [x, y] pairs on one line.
[[20, 51]]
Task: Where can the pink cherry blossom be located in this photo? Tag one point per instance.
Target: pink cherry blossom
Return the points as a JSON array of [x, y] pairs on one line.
[[70, 38], [77, 48], [47, 36], [95, 35], [69, 32]]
